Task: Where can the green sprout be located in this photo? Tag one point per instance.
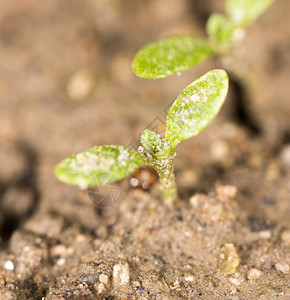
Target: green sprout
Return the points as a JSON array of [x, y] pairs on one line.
[[194, 108], [177, 53]]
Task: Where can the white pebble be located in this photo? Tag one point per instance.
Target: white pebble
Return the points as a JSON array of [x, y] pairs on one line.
[[134, 182], [121, 274], [254, 274], [100, 288], [285, 155], [285, 236], [104, 278], [282, 267], [265, 234], [61, 262], [136, 284], [189, 277], [57, 250], [237, 279], [9, 265], [195, 200]]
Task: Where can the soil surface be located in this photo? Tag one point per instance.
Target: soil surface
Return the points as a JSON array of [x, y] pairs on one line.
[[66, 85]]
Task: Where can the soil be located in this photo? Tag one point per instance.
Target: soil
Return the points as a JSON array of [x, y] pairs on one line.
[[66, 85]]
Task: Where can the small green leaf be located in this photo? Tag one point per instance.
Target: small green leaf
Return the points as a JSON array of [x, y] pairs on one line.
[[221, 30], [151, 141], [245, 12], [170, 55], [99, 165], [196, 106]]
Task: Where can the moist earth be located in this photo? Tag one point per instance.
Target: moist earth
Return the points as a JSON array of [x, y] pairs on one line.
[[66, 85]]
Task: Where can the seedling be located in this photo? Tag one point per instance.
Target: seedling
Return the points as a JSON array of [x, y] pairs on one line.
[[178, 53], [190, 113]]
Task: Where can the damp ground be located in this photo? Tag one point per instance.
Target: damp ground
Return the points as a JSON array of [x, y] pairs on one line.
[[66, 85]]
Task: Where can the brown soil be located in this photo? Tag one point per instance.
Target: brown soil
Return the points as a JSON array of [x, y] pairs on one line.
[[66, 85]]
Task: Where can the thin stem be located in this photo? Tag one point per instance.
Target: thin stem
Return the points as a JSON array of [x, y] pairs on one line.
[[168, 186], [165, 170]]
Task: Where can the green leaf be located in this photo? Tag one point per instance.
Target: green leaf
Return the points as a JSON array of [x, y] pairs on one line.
[[245, 12], [221, 30], [196, 106], [170, 55], [151, 141], [99, 165]]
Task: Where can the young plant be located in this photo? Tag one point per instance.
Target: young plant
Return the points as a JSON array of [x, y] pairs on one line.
[[190, 113], [178, 53]]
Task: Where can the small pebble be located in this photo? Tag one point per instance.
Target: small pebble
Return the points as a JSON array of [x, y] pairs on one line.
[[58, 250], [227, 191], [100, 288], [176, 284], [136, 284], [237, 279], [104, 279], [80, 85], [189, 277], [254, 274], [196, 200], [121, 275], [285, 236], [233, 291], [265, 234], [282, 267], [230, 260], [61, 262], [285, 155], [134, 182], [9, 265], [219, 150]]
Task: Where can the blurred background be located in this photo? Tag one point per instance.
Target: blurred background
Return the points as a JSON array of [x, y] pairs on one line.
[[66, 85]]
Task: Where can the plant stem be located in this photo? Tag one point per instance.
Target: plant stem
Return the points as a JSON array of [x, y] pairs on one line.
[[167, 180]]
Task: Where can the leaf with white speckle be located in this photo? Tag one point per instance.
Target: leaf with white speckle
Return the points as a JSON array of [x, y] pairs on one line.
[[196, 106], [245, 12], [152, 143], [221, 30], [99, 165], [150, 140], [170, 55]]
